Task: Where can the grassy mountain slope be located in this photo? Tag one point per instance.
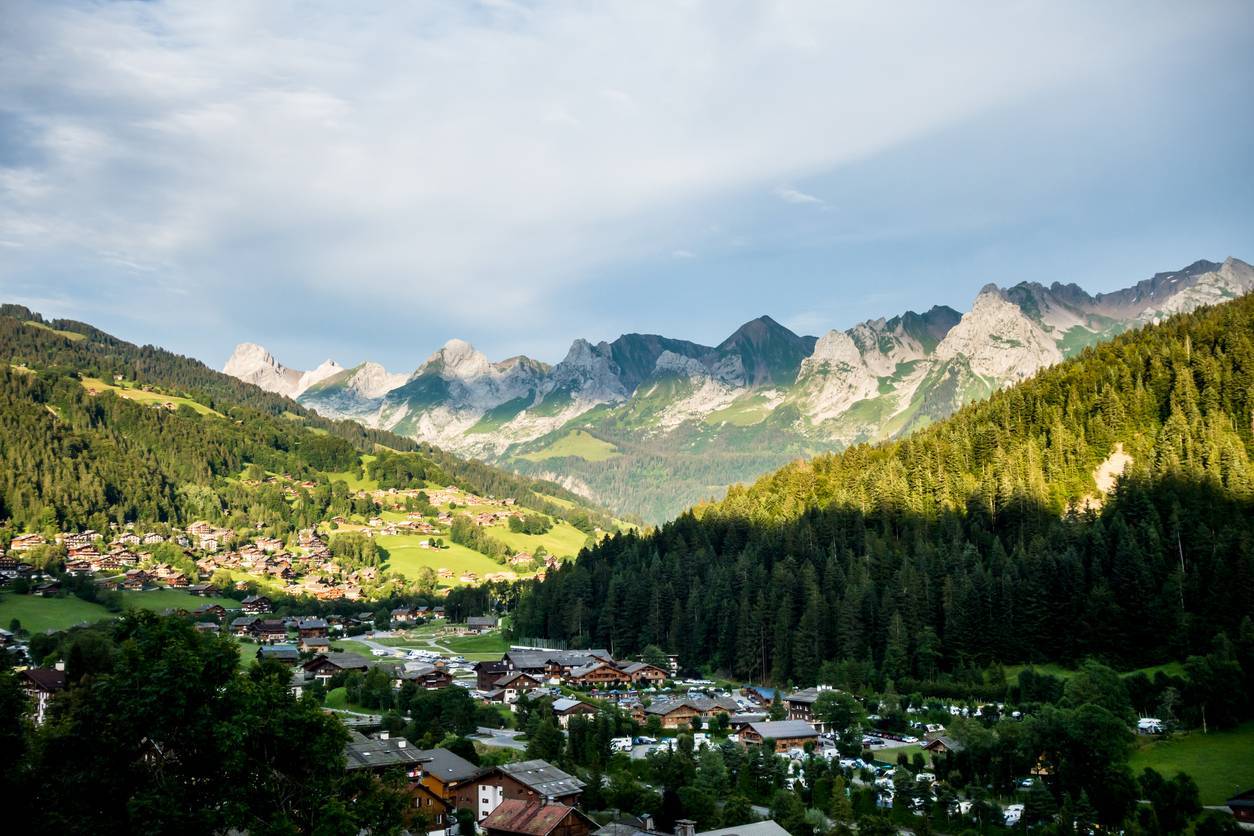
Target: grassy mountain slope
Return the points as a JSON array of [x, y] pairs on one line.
[[86, 440]]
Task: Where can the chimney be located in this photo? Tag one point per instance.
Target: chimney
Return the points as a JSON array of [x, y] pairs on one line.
[[685, 827], [400, 742], [383, 735]]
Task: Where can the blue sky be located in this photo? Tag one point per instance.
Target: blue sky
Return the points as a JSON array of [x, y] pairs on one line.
[[366, 185]]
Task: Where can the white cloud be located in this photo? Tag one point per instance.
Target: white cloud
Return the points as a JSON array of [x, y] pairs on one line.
[[415, 151], [791, 195], [683, 254]]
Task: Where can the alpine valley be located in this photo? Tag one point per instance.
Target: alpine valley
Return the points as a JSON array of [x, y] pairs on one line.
[[649, 425]]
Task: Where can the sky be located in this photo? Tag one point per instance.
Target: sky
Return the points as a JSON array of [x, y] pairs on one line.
[[368, 180]]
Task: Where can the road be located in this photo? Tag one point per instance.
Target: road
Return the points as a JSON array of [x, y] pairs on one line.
[[503, 738]]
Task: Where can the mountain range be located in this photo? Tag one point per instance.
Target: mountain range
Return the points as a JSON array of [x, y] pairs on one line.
[[649, 425]]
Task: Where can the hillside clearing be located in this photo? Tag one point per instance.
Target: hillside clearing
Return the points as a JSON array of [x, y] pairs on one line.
[[407, 557], [1222, 763], [95, 386], [578, 444], [39, 615]]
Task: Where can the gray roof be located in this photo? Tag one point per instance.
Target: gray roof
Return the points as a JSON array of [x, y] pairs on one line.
[[563, 704], [543, 777], [244, 621], [701, 705], [481, 621], [529, 659], [342, 660], [313, 624], [757, 828], [449, 767], [805, 695], [379, 754], [781, 729], [948, 742]]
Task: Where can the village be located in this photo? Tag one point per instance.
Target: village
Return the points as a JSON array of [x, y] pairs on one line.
[[204, 559]]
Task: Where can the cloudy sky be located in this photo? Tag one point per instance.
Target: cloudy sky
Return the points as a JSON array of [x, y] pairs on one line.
[[367, 180]]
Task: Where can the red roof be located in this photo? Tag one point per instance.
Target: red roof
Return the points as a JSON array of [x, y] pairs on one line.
[[530, 818]]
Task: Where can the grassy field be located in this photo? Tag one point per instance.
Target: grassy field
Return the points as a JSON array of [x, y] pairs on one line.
[[406, 557], [72, 336], [577, 443], [1168, 668], [41, 614], [562, 540], [492, 643], [1222, 763], [165, 599], [96, 386], [338, 698], [350, 646], [354, 481]]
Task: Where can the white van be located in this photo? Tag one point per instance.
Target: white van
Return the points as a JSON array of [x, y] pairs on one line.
[[621, 744]]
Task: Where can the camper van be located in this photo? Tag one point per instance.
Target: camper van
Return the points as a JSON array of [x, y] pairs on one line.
[[621, 744]]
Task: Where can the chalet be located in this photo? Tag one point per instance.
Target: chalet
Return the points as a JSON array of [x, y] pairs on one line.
[[738, 721], [942, 746], [683, 712], [437, 612], [1242, 807], [514, 685], [211, 610], [644, 673], [800, 705], [430, 809], [315, 645], [598, 673], [285, 653], [136, 579], [256, 604], [447, 775], [479, 624], [564, 708], [536, 818], [41, 685], [787, 734], [207, 627], [488, 672], [243, 625], [426, 677], [403, 615], [326, 665], [270, 631], [383, 752], [48, 589], [526, 781], [313, 628], [78, 567], [200, 590], [22, 542], [553, 663]]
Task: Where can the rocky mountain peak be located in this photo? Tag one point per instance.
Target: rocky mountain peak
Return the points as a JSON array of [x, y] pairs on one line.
[[252, 363], [456, 359]]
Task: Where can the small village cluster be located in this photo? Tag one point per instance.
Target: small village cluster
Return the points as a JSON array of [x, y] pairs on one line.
[[308, 569]]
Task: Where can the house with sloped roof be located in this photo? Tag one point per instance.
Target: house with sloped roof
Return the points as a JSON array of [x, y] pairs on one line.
[[787, 734], [536, 818], [527, 781], [326, 665], [564, 708], [41, 685]]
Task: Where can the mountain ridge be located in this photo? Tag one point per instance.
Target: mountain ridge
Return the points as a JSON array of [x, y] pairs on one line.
[[704, 417]]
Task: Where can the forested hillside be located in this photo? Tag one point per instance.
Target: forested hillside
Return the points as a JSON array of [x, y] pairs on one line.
[[981, 539], [70, 458]]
